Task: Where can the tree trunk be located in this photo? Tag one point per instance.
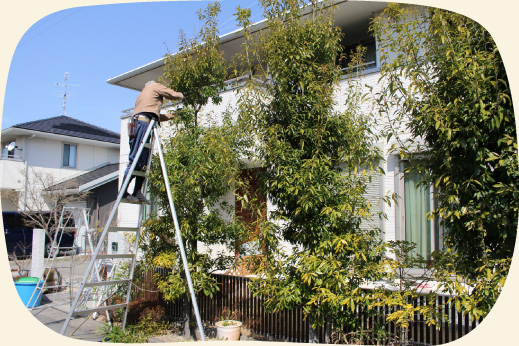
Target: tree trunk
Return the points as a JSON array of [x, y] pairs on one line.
[[188, 317], [189, 323]]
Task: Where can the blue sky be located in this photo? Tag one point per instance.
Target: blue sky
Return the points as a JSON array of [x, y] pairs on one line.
[[93, 44]]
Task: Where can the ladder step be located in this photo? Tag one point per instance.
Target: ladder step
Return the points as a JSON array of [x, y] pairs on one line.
[[101, 308], [147, 145], [124, 200], [115, 256], [139, 173], [106, 283], [123, 229], [55, 286]]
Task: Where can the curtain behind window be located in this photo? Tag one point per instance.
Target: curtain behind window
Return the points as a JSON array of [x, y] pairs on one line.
[[417, 205], [66, 155]]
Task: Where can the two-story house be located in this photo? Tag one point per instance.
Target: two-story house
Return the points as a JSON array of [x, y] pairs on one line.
[[354, 19], [64, 152]]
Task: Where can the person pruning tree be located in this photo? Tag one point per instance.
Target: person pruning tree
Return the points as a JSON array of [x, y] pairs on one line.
[[147, 107]]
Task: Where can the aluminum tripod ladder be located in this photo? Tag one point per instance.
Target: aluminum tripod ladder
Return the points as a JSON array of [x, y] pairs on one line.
[[96, 256], [68, 214]]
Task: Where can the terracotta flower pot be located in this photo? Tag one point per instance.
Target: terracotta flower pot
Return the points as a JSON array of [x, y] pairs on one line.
[[228, 330]]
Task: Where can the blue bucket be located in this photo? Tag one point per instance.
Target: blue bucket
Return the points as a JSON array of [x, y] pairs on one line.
[[25, 287]]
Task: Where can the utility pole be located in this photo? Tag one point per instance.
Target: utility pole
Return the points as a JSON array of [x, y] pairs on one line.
[[65, 85]]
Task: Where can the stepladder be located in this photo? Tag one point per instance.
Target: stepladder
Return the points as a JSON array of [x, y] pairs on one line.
[[107, 286], [71, 220]]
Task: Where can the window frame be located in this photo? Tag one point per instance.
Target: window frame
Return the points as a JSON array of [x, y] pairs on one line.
[[69, 156]]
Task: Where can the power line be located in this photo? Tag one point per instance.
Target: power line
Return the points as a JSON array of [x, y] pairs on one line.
[[53, 25], [221, 26]]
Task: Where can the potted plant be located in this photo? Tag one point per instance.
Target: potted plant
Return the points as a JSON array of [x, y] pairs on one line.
[[228, 328]]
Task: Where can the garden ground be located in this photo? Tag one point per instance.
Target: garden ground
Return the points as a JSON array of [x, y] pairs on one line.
[[54, 308]]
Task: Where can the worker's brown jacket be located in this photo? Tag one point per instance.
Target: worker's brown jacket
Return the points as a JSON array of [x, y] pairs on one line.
[[151, 98]]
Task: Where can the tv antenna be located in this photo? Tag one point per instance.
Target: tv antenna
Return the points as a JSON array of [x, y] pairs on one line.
[[65, 85]]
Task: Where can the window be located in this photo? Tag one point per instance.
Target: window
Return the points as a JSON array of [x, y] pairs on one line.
[[370, 58], [413, 224], [69, 155]]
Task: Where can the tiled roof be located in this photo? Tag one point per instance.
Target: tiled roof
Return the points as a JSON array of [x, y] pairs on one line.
[[67, 126], [87, 177]]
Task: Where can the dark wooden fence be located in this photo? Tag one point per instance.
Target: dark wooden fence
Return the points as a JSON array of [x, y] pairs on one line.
[[235, 297]]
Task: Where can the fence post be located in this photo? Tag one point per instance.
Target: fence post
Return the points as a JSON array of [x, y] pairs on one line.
[[313, 337], [327, 330]]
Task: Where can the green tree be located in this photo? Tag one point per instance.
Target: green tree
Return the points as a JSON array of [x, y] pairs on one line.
[[318, 163], [445, 82], [202, 157]]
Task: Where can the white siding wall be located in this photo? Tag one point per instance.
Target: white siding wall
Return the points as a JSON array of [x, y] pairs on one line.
[[213, 250], [12, 174], [127, 214], [11, 177], [126, 211], [47, 154]]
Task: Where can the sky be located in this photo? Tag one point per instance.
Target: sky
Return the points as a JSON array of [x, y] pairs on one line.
[[93, 44]]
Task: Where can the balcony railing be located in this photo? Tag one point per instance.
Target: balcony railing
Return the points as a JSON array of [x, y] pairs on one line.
[[6, 156]]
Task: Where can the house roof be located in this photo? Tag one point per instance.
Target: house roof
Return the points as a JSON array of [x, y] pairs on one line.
[[67, 126], [90, 180]]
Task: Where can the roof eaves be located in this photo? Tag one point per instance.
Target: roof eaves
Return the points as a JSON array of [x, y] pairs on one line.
[[25, 132], [150, 66], [160, 62], [99, 182], [70, 127]]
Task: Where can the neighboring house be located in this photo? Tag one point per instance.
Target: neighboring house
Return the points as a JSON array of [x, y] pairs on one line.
[[74, 154], [353, 18]]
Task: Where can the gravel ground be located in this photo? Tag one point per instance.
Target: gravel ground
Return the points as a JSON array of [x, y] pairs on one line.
[[174, 335], [171, 337]]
